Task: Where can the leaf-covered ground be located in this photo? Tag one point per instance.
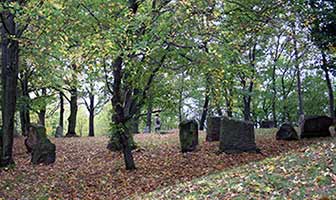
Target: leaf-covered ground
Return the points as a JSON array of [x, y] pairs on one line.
[[307, 174], [85, 169]]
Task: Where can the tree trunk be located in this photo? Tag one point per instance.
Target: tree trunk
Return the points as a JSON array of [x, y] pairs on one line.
[[24, 109], [274, 95], [181, 99], [73, 114], [119, 117], [247, 103], [92, 115], [127, 151], [205, 109], [42, 113], [9, 66], [228, 103], [286, 115], [247, 97], [61, 116], [247, 109], [329, 85], [298, 79], [149, 117]]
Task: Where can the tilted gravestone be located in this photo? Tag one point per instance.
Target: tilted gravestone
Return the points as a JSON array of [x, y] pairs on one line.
[[267, 124], [59, 132], [237, 136], [287, 132], [213, 129], [40, 147], [315, 126], [188, 135]]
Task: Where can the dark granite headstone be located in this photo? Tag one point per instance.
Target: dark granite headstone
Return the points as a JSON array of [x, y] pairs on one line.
[[315, 126], [287, 132], [267, 124], [59, 132], [213, 129], [188, 135], [40, 147], [237, 136]]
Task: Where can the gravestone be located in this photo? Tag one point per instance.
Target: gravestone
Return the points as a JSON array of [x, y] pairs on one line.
[[332, 130], [146, 129], [315, 126], [40, 147], [59, 132], [188, 135], [213, 129], [286, 132], [267, 124], [237, 136]]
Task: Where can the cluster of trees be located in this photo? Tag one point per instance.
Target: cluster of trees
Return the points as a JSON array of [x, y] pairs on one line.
[[252, 59]]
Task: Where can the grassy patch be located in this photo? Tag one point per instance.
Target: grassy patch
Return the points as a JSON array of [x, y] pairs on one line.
[[309, 174]]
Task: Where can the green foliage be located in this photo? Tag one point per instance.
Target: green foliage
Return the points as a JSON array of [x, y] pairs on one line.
[[214, 48]]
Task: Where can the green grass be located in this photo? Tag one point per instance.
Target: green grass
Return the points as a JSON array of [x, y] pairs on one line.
[[309, 174]]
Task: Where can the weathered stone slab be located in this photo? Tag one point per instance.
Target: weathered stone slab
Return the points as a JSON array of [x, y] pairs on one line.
[[213, 129], [315, 126], [59, 132], [287, 132], [237, 136], [332, 130], [40, 147], [188, 135], [44, 153], [267, 124]]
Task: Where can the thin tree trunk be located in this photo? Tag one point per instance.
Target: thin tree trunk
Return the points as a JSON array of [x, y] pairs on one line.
[[228, 103], [73, 114], [61, 116], [247, 97], [286, 116], [274, 95], [92, 115], [42, 112], [329, 85], [247, 103], [205, 109], [206, 102], [298, 78], [181, 99], [9, 66], [24, 110], [149, 117]]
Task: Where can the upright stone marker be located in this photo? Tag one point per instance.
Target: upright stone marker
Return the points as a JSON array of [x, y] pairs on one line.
[[213, 129], [315, 126], [40, 147], [287, 132], [59, 132], [267, 124], [237, 136], [188, 135], [332, 130]]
